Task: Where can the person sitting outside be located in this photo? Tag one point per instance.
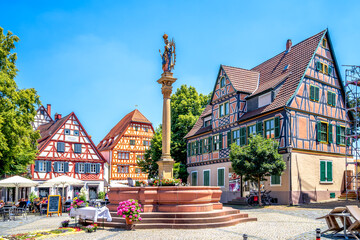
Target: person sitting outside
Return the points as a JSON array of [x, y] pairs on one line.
[[2, 203], [43, 206], [36, 205]]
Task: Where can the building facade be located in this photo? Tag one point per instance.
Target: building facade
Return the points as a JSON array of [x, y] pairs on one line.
[[124, 145], [65, 148], [297, 98]]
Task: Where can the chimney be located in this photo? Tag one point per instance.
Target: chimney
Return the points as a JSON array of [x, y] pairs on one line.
[[48, 109], [57, 116], [288, 45]]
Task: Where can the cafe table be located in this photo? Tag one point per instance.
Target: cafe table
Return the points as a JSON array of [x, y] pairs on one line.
[[91, 213]]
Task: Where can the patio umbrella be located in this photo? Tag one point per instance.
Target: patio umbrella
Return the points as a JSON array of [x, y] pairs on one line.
[[63, 180], [17, 181]]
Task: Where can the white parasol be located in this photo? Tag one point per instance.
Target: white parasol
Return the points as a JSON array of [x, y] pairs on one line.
[[17, 181]]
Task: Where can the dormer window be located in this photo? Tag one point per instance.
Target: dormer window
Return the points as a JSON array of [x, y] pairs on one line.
[[222, 82], [264, 99], [207, 121]]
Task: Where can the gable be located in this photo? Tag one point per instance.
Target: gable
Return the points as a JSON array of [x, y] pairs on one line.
[[41, 117], [223, 86]]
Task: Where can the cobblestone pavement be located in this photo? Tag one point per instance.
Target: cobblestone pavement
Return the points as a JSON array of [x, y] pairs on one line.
[[275, 222]]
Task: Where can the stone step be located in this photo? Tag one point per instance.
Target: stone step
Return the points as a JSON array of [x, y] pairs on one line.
[[214, 213], [178, 225], [186, 220]]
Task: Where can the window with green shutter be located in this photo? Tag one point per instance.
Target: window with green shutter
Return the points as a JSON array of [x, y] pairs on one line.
[[322, 132], [326, 171], [318, 66], [220, 141], [275, 180], [269, 128], [314, 93], [317, 94], [242, 136], [201, 146], [229, 139], [206, 177], [251, 130], [236, 137], [216, 143], [221, 177], [340, 135], [259, 128], [193, 178], [210, 144]]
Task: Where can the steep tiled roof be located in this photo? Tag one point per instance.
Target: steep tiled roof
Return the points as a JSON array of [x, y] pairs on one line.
[[243, 80], [297, 58], [47, 130], [272, 73], [198, 127], [110, 140]]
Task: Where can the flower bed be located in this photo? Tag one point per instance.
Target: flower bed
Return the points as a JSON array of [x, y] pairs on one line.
[[36, 235], [167, 182]]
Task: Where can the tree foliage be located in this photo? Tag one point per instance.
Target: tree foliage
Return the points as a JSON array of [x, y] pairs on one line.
[[186, 107], [18, 141], [257, 160]]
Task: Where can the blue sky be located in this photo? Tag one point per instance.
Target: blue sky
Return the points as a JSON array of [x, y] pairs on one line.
[[100, 58]]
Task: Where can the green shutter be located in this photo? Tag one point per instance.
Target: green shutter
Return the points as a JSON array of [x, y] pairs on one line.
[[242, 136], [210, 144], [329, 98], [338, 128], [330, 133], [277, 127], [316, 94], [329, 171], [322, 171], [329, 70], [318, 66], [221, 177], [206, 178], [318, 136], [189, 149], [201, 146], [229, 139], [312, 93], [275, 179], [334, 99], [259, 128], [220, 141]]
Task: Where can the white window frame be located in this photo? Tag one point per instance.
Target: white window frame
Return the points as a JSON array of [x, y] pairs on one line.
[[325, 160], [209, 170], [217, 177], [197, 178], [276, 185], [264, 100], [67, 131], [43, 164], [81, 168], [93, 167], [60, 167]]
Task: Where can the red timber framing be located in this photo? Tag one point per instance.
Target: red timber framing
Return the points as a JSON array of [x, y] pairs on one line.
[[125, 144], [65, 148]]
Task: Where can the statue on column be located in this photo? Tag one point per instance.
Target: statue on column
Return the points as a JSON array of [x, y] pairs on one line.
[[168, 56]]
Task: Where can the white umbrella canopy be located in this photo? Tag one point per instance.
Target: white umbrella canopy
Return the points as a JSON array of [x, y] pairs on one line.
[[63, 180], [17, 181]]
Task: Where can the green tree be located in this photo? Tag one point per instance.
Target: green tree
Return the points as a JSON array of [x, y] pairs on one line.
[[186, 107], [257, 160], [18, 141]]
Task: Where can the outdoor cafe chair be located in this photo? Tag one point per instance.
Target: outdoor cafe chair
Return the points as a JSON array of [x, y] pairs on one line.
[[331, 220], [354, 228]]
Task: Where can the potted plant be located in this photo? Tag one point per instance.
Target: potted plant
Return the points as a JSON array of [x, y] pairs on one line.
[[65, 223], [168, 182], [130, 210], [90, 228]]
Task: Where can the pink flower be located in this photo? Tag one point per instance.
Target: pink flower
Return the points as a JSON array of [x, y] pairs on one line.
[[138, 210], [142, 210], [133, 201], [124, 216], [130, 216], [139, 205], [135, 215], [140, 218]]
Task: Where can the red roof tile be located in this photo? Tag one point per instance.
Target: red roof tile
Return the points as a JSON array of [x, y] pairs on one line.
[[47, 130], [198, 127], [109, 140], [242, 80]]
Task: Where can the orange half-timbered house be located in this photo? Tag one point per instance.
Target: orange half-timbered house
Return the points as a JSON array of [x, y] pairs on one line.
[[297, 98], [65, 148], [124, 145]]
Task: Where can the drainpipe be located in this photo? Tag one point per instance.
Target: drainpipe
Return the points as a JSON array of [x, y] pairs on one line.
[[289, 158]]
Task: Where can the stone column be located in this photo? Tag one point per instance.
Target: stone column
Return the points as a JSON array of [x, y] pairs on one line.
[[166, 163]]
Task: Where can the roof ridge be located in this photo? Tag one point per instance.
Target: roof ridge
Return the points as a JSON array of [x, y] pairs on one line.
[[239, 68]]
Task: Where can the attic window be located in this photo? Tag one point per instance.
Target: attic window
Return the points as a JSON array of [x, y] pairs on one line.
[[222, 82], [286, 67], [42, 112], [324, 43]]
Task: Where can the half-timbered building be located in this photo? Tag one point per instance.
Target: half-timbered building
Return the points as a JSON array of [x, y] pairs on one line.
[[124, 145], [297, 98], [65, 148]]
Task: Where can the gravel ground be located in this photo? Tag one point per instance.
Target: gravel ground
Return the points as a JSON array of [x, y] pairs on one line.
[[275, 222]]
